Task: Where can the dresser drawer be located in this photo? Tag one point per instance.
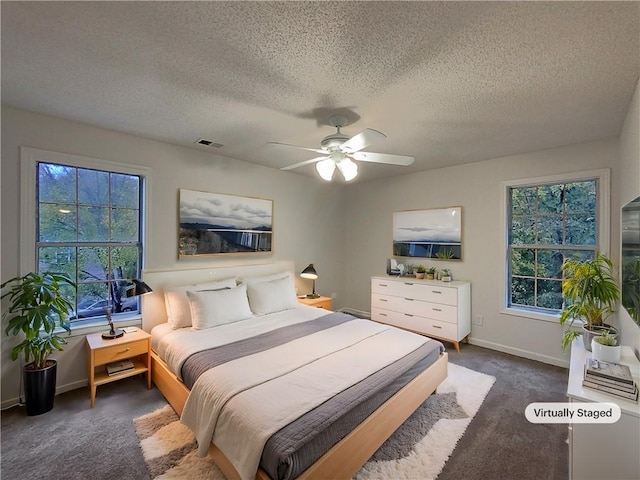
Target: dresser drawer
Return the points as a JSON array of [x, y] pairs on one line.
[[416, 323], [415, 290], [120, 352], [437, 311]]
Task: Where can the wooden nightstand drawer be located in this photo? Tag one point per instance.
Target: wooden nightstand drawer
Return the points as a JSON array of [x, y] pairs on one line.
[[119, 352]]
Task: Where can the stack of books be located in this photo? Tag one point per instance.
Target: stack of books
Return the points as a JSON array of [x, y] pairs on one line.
[[119, 367], [611, 378]]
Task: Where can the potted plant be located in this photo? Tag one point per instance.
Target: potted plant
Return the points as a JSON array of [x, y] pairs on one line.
[[36, 308], [605, 348], [420, 271], [590, 292], [446, 275], [430, 272]]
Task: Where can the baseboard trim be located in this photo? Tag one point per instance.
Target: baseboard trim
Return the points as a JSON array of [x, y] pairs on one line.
[[518, 352], [12, 402]]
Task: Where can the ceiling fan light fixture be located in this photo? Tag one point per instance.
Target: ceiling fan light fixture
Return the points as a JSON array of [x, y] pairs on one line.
[[326, 168], [348, 169]]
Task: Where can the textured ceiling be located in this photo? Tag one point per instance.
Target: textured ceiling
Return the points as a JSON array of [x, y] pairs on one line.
[[447, 82]]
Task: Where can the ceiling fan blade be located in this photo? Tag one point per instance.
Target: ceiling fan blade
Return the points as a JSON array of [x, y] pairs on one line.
[[317, 150], [383, 158], [302, 164], [362, 140]]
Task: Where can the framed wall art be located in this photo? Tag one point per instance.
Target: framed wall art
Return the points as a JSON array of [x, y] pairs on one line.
[[434, 233], [216, 223]]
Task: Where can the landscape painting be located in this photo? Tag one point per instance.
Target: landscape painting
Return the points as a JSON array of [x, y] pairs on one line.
[[214, 223], [434, 233]]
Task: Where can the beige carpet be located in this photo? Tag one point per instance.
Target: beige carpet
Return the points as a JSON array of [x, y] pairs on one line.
[[418, 449]]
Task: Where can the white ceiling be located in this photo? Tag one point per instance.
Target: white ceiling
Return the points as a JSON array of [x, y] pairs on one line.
[[447, 82]]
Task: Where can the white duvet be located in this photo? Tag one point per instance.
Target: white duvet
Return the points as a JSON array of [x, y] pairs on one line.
[[240, 404]]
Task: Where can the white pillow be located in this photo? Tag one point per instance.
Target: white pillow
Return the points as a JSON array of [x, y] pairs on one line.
[[272, 296], [211, 308], [266, 278], [177, 303]]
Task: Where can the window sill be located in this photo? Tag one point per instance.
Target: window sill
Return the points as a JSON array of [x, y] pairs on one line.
[[520, 312], [83, 330]]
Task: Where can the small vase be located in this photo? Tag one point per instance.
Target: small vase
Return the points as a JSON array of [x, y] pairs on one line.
[[446, 278], [429, 276], [419, 275], [605, 353]]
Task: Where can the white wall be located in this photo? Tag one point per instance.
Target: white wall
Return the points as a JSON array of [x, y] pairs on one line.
[[477, 188], [308, 219], [627, 187]]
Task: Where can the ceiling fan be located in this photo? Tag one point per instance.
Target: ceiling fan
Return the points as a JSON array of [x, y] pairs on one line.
[[339, 150]]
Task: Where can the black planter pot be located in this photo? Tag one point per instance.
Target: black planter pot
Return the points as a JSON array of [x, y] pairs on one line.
[[40, 388]]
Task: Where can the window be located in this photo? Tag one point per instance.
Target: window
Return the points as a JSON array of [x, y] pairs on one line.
[[87, 224], [548, 222]]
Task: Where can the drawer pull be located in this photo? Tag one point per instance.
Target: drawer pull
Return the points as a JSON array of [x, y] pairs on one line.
[[408, 283], [436, 309], [436, 326], [384, 300], [408, 315], [123, 351], [383, 284], [436, 291], [383, 314], [409, 299]]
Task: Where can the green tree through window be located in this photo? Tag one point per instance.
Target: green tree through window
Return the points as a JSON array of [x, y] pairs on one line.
[[548, 223], [89, 227]]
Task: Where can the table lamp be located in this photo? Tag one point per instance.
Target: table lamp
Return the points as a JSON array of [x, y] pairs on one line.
[[311, 273], [139, 288]]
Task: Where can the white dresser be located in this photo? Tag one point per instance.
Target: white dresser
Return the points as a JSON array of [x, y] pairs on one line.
[[598, 451], [436, 309]]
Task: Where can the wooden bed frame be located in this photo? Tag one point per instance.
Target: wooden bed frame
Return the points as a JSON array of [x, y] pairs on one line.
[[345, 458]]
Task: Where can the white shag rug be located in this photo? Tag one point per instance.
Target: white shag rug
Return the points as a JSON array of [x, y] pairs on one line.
[[417, 450]]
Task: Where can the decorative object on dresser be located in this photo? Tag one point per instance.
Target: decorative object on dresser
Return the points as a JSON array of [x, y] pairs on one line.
[[612, 378], [424, 306], [36, 308], [102, 356], [319, 302], [605, 347], [434, 233], [310, 273], [616, 444], [446, 275], [591, 290], [215, 223], [420, 272]]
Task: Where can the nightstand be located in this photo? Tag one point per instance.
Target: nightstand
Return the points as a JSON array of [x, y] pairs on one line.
[[320, 302], [134, 346]]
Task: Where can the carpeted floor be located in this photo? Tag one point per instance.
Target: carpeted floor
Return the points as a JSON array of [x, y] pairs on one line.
[[74, 441]]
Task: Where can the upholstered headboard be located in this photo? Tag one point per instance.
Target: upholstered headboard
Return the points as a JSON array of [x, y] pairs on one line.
[[153, 306]]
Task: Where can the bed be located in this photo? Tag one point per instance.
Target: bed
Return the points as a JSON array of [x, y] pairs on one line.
[[226, 372]]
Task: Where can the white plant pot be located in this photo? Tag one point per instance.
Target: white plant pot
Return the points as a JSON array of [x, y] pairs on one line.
[[605, 353]]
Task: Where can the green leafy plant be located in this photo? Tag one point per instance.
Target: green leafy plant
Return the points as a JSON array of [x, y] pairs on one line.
[[590, 292], [606, 339], [445, 254], [430, 270], [420, 269], [446, 272], [36, 308]]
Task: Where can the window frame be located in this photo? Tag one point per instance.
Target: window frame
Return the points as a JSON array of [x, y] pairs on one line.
[[603, 209], [29, 159]]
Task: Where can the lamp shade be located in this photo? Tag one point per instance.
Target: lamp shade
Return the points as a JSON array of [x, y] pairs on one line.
[[140, 288], [326, 168], [309, 272]]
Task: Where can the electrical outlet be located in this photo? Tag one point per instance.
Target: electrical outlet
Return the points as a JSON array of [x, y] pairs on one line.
[[478, 320]]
